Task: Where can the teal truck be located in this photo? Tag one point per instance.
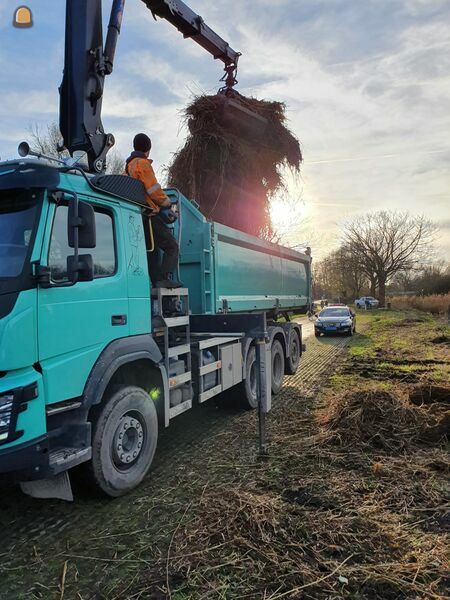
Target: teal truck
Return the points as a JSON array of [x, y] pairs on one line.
[[93, 360]]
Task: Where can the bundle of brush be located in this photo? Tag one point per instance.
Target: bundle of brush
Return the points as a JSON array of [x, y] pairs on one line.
[[233, 159]]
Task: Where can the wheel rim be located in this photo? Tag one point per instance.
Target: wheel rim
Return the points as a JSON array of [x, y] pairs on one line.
[[129, 440]]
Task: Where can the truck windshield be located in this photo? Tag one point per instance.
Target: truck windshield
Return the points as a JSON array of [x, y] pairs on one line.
[[18, 214]]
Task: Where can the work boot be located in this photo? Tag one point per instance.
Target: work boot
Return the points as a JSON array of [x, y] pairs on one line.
[[168, 283]]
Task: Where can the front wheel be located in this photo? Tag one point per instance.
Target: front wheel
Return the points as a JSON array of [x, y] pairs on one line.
[[124, 440]]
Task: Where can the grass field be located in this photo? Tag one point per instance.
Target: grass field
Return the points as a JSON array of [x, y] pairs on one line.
[[350, 502]]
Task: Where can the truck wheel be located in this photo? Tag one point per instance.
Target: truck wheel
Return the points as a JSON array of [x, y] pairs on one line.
[[247, 389], [125, 433], [293, 360], [277, 366]]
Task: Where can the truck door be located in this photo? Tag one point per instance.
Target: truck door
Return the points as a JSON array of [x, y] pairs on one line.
[[75, 322]]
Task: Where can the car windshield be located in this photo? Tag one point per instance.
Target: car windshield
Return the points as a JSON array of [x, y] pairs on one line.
[[18, 211], [334, 312]]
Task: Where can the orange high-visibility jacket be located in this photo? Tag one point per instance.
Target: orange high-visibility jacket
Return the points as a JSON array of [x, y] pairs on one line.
[[141, 168]]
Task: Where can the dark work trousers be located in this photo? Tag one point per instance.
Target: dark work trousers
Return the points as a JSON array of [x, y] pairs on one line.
[[165, 243]]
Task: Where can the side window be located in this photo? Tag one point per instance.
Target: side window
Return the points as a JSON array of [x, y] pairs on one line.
[[104, 254]]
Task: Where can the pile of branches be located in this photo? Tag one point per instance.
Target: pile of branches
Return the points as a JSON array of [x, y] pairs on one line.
[[383, 420], [230, 170]]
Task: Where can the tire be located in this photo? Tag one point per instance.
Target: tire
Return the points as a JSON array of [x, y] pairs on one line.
[[293, 361], [116, 469], [277, 366], [246, 391]]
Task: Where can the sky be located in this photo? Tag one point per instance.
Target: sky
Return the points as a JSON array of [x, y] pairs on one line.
[[366, 85]]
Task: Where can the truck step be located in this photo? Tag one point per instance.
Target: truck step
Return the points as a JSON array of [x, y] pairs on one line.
[[179, 380], [176, 321], [181, 408], [62, 459], [169, 292], [178, 350]]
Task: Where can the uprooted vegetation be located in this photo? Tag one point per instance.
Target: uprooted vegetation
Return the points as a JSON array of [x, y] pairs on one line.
[[384, 419], [231, 170], [350, 503]]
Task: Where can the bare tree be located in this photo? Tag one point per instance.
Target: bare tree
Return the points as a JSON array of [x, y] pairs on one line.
[[115, 163], [48, 141], [388, 242], [340, 274]]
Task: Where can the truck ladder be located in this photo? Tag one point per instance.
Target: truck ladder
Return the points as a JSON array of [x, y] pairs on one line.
[[171, 330]]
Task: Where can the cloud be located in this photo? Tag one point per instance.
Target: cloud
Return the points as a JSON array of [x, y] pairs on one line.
[[366, 86]]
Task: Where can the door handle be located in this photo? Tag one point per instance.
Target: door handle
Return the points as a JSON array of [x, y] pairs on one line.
[[119, 320]]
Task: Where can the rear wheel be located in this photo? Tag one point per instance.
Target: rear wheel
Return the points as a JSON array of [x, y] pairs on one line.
[[293, 360], [124, 440], [246, 391], [277, 366]]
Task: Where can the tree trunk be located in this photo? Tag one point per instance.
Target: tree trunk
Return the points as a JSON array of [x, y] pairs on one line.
[[382, 291], [373, 286]]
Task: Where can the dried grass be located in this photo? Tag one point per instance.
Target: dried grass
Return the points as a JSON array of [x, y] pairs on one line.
[[229, 171], [435, 304]]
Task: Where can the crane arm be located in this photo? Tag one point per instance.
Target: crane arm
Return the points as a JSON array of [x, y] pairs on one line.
[[87, 62], [191, 25]]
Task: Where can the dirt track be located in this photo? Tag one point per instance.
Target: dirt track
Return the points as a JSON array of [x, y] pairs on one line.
[[38, 536]]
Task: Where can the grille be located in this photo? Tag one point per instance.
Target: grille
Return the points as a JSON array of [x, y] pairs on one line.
[[6, 406], [12, 403]]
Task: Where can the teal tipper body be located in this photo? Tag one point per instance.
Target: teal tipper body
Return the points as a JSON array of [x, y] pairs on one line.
[[223, 267]]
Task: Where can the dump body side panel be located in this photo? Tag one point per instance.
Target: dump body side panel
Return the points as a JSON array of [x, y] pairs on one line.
[[251, 274], [224, 267]]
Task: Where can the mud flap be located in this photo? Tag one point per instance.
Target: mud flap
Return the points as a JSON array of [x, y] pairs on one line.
[[57, 486]]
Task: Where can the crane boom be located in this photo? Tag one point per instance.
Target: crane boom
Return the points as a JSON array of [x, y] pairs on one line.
[[87, 62], [191, 25]]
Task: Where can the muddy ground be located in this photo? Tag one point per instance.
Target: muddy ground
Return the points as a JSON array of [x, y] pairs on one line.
[[317, 518]]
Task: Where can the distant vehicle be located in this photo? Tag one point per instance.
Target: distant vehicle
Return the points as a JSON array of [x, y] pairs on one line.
[[335, 319], [362, 302]]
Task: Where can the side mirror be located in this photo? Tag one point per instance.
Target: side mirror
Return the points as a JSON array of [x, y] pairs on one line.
[[81, 225], [80, 268]]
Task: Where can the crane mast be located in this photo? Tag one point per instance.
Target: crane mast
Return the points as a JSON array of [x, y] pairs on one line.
[[87, 62]]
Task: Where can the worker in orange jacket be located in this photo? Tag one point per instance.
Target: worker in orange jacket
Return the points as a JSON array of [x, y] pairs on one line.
[[139, 166]]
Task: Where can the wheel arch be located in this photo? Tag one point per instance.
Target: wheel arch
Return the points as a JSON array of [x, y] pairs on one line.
[[134, 360]]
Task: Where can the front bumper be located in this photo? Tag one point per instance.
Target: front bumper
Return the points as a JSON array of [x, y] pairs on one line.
[[26, 461], [324, 330]]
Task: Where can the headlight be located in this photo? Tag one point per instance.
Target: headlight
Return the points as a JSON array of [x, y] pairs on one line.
[[6, 403]]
